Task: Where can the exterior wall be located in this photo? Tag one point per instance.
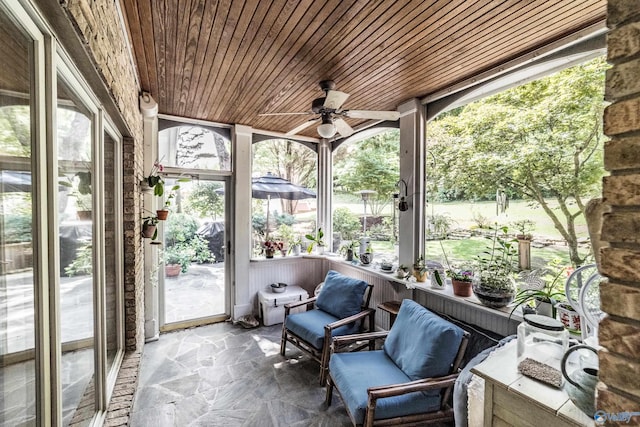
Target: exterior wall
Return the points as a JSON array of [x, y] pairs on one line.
[[619, 333], [100, 29]]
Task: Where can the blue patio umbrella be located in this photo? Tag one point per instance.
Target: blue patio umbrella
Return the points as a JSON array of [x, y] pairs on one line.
[[271, 186]]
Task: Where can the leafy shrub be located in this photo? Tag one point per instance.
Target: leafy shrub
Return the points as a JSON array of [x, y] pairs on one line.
[[180, 228], [201, 252], [83, 263], [346, 223], [17, 228], [481, 220], [258, 222], [284, 219], [440, 224], [180, 254]]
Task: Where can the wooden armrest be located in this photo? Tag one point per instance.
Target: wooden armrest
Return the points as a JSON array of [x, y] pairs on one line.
[[350, 319], [288, 307], [344, 340], [410, 387]]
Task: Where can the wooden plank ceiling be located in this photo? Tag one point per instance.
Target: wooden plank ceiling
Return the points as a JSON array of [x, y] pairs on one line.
[[229, 60]]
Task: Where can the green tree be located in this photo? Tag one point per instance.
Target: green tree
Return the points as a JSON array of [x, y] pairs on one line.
[[370, 164], [287, 159], [205, 201], [542, 140]]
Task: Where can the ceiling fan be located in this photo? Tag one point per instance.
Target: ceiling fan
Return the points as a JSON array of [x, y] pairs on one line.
[[328, 108]]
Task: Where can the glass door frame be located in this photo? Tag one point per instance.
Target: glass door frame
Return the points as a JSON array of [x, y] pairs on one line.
[[225, 178]]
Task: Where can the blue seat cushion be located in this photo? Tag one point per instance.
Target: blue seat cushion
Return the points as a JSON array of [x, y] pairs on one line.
[[421, 343], [341, 295], [353, 373], [309, 325]]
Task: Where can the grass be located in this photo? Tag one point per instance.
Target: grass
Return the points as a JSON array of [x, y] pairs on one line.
[[461, 252]]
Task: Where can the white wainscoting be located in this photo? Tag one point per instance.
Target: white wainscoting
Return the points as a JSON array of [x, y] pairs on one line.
[[306, 272]]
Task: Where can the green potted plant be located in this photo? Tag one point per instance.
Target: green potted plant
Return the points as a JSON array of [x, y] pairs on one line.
[[420, 269], [316, 240], [494, 283], [461, 277], [150, 227], [544, 288], [366, 257], [294, 245], [348, 249], [177, 258]]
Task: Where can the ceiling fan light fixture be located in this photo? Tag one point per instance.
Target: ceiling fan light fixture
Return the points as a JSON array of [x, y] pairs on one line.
[[327, 129]]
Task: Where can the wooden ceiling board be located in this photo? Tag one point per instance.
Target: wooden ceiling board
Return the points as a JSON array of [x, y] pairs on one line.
[[230, 60]]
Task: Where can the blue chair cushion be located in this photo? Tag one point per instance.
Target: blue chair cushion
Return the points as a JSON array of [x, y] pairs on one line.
[[353, 373], [341, 295], [421, 343], [309, 325]]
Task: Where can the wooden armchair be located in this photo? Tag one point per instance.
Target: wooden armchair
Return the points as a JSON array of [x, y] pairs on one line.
[[410, 380], [340, 309]]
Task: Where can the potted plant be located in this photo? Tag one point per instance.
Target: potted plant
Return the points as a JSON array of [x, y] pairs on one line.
[[270, 246], [316, 240], [403, 271], [544, 289], [348, 250], [524, 227], [461, 277], [177, 258], [155, 181], [294, 245], [493, 282], [80, 187], [164, 212], [366, 257], [420, 269], [150, 227]]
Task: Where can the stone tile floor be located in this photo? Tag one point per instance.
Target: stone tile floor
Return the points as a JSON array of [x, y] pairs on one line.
[[224, 375]]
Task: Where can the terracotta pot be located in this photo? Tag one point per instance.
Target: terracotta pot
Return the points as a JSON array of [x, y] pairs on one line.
[[148, 231], [172, 270], [162, 214], [461, 288]]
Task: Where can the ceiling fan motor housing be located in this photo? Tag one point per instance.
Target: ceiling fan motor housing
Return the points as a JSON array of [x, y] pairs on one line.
[[317, 106]]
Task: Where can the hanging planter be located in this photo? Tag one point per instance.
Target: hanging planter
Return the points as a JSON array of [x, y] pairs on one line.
[[162, 214], [148, 231]]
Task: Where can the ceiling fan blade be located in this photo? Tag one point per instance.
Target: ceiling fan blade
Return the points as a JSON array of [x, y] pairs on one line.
[[343, 127], [300, 113], [374, 115], [335, 99], [303, 126]]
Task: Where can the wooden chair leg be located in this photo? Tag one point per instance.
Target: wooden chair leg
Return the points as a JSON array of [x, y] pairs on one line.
[[329, 395], [326, 354], [283, 341]]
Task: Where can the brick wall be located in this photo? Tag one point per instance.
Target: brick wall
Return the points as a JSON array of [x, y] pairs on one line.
[[619, 333], [98, 25]]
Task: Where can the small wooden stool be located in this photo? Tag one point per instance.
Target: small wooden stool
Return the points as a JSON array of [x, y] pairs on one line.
[[391, 307]]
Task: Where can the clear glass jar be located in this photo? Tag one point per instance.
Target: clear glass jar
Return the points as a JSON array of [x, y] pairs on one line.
[[542, 339]]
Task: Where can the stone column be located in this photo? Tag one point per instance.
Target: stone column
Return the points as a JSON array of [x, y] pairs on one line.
[[619, 388]]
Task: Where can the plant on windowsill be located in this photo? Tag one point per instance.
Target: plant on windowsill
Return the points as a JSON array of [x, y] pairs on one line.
[[270, 246], [316, 241], [349, 250], [461, 277], [544, 289], [494, 283], [420, 269], [295, 244], [366, 258]]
